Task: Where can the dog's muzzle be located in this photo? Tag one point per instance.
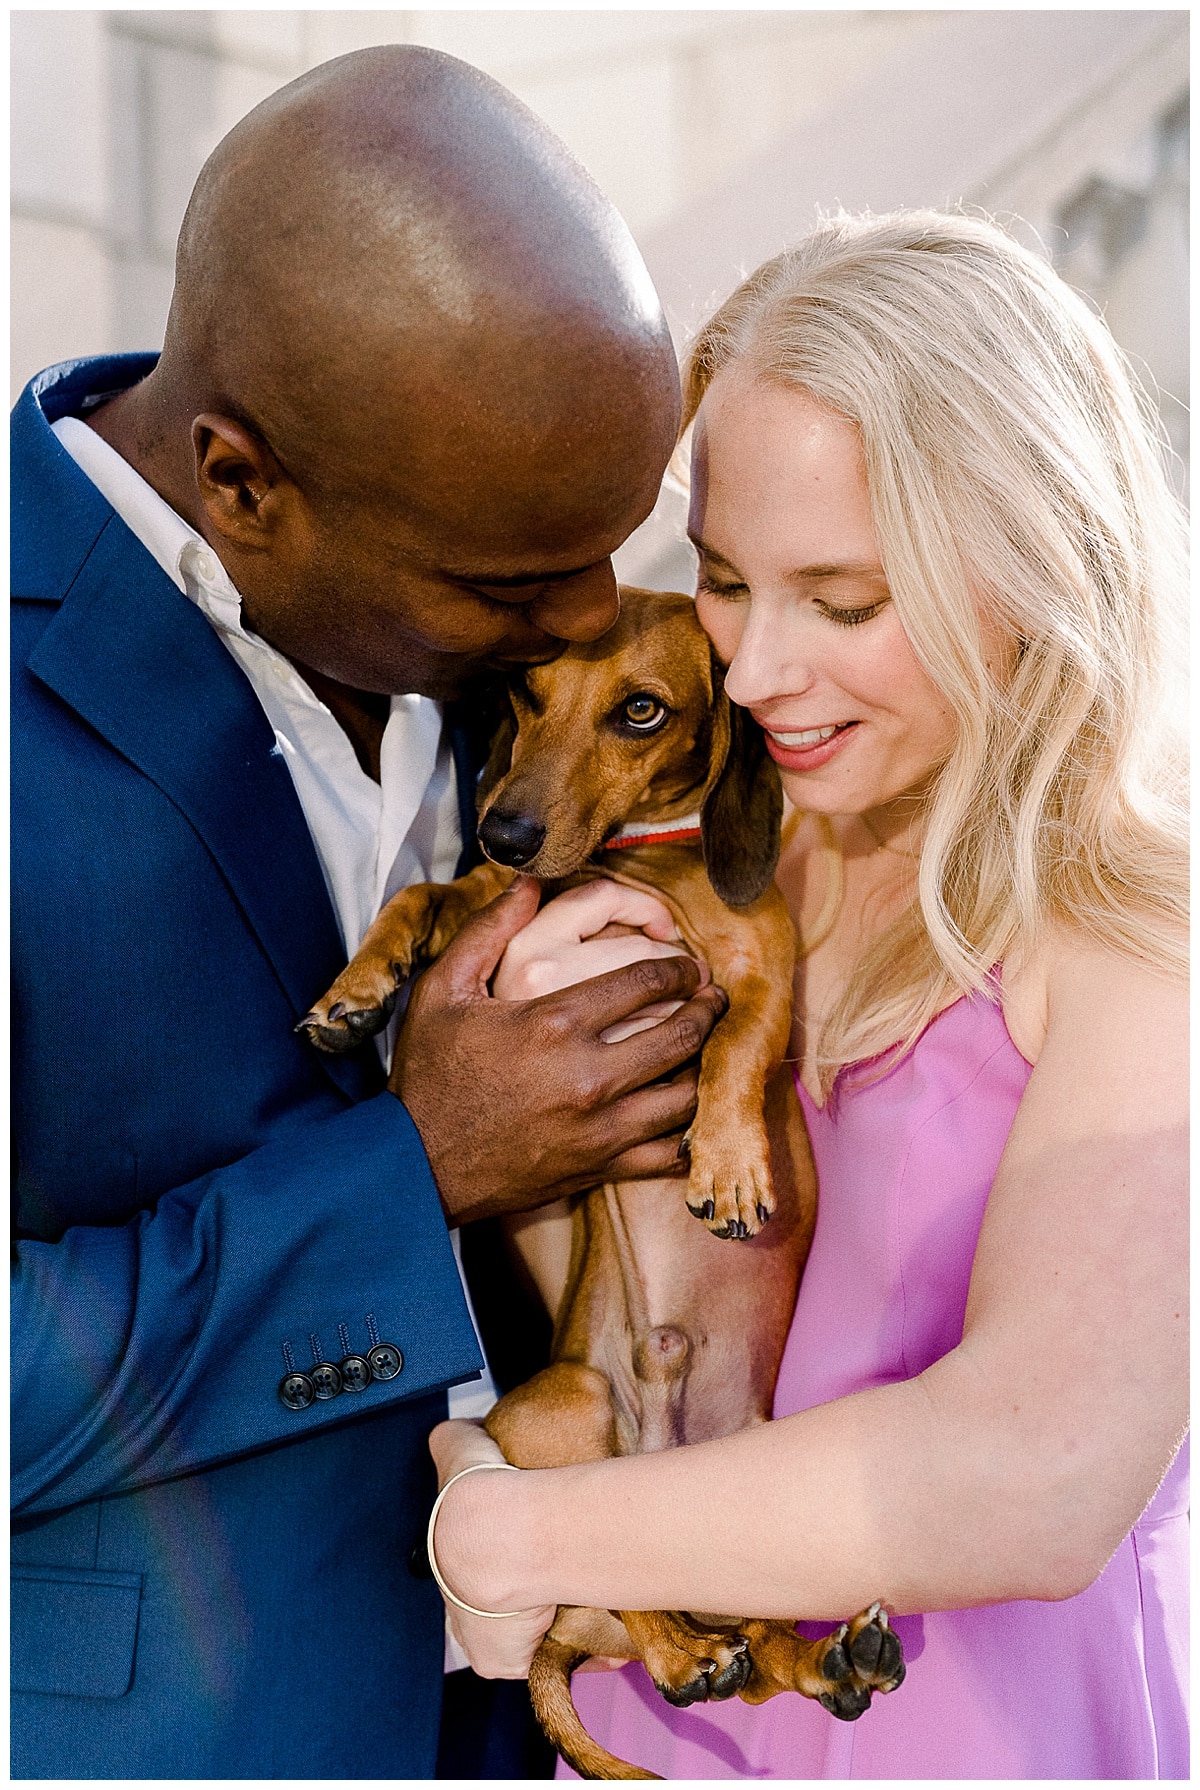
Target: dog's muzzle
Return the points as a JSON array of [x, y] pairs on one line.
[[512, 839]]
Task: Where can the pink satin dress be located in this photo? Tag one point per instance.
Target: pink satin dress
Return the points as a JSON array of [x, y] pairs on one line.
[[1092, 1687]]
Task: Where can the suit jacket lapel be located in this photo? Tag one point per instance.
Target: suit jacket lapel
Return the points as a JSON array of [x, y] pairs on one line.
[[142, 665]]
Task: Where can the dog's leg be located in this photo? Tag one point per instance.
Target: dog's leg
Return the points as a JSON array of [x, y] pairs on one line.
[[841, 1670], [418, 922], [562, 1417], [729, 1185]]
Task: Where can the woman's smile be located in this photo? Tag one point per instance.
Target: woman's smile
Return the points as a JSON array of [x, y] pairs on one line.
[[807, 748]]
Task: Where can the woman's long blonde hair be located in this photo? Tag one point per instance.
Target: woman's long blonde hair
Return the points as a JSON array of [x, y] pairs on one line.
[[1017, 478]]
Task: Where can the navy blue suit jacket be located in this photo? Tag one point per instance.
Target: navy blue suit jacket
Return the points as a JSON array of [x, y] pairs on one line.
[[205, 1583]]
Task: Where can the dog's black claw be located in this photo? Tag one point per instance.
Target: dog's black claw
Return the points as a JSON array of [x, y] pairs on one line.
[[763, 1214]]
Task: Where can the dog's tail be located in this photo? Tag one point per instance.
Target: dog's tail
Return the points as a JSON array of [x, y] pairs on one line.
[[550, 1694]]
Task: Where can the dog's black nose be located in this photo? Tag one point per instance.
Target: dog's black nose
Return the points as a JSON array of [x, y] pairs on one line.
[[510, 838]]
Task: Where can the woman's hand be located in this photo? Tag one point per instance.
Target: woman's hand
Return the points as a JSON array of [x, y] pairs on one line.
[[496, 1649], [590, 930]]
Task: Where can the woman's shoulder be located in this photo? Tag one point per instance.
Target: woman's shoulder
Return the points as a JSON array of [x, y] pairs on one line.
[[1071, 979]]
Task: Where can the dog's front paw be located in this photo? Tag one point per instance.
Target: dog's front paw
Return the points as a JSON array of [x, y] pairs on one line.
[[359, 1004], [729, 1186]]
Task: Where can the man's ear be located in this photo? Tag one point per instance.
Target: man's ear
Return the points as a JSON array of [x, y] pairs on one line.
[[242, 485], [743, 809], [499, 758]]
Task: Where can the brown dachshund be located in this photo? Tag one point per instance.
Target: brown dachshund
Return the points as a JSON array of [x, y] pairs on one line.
[[625, 759]]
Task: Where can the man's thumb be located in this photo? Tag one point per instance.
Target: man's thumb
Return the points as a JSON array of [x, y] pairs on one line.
[[470, 962]]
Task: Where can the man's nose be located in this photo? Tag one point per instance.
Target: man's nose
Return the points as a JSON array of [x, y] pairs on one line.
[[579, 608]]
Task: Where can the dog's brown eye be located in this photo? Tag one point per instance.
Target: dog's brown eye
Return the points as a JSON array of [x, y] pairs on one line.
[[644, 712]]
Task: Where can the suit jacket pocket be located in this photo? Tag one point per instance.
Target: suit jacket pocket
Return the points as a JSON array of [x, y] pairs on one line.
[[74, 1632]]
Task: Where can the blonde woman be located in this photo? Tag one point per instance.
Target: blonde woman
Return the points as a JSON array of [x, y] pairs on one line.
[[939, 555]]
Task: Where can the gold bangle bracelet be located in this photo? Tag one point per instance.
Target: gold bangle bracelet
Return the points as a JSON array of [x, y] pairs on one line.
[[479, 1467]]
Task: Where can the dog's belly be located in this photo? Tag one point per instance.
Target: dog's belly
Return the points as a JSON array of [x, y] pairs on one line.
[[699, 1359]]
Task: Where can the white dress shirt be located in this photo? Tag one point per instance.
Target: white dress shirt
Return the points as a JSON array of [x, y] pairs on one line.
[[371, 838]]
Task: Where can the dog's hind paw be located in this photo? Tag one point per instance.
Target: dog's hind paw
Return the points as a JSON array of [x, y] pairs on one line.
[[862, 1656], [687, 1663], [841, 1671]]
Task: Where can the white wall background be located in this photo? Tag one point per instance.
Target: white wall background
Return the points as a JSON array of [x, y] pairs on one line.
[[717, 133]]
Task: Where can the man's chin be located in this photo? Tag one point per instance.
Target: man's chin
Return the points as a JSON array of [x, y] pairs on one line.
[[451, 681]]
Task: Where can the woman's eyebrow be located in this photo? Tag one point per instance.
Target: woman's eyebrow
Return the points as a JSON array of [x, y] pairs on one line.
[[848, 569], [703, 547], [822, 569]]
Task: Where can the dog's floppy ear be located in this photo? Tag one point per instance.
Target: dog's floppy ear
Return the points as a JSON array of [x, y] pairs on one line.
[[743, 808], [499, 757]]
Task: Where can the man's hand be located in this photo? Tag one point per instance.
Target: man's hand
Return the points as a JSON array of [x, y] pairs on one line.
[[522, 1102]]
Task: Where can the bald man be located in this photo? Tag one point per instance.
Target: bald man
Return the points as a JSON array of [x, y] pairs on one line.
[[415, 389]]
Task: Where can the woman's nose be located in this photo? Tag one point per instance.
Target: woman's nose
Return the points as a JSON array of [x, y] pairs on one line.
[[579, 608], [765, 665]]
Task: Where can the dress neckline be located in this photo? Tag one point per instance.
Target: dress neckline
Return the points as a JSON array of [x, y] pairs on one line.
[[993, 1002]]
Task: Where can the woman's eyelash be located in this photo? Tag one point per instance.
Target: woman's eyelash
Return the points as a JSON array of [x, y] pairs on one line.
[[842, 618], [717, 590], [850, 618]]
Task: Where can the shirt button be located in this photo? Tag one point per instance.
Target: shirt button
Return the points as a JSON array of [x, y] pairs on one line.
[[386, 1361], [297, 1391], [206, 566], [356, 1373], [326, 1379]]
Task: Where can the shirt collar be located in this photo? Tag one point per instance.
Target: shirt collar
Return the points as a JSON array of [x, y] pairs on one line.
[[184, 555]]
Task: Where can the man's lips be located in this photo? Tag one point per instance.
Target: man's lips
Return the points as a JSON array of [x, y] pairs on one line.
[[807, 748]]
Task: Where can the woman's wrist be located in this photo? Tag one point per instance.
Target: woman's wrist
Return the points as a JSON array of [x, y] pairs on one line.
[[485, 1543]]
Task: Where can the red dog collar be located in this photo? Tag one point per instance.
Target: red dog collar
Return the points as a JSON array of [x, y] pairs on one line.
[[684, 831]]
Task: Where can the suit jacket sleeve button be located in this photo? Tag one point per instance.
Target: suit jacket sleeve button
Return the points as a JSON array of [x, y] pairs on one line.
[[385, 1360], [297, 1391], [326, 1379], [356, 1373]]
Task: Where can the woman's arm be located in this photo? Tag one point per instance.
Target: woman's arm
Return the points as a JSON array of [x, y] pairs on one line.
[[1009, 1469]]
